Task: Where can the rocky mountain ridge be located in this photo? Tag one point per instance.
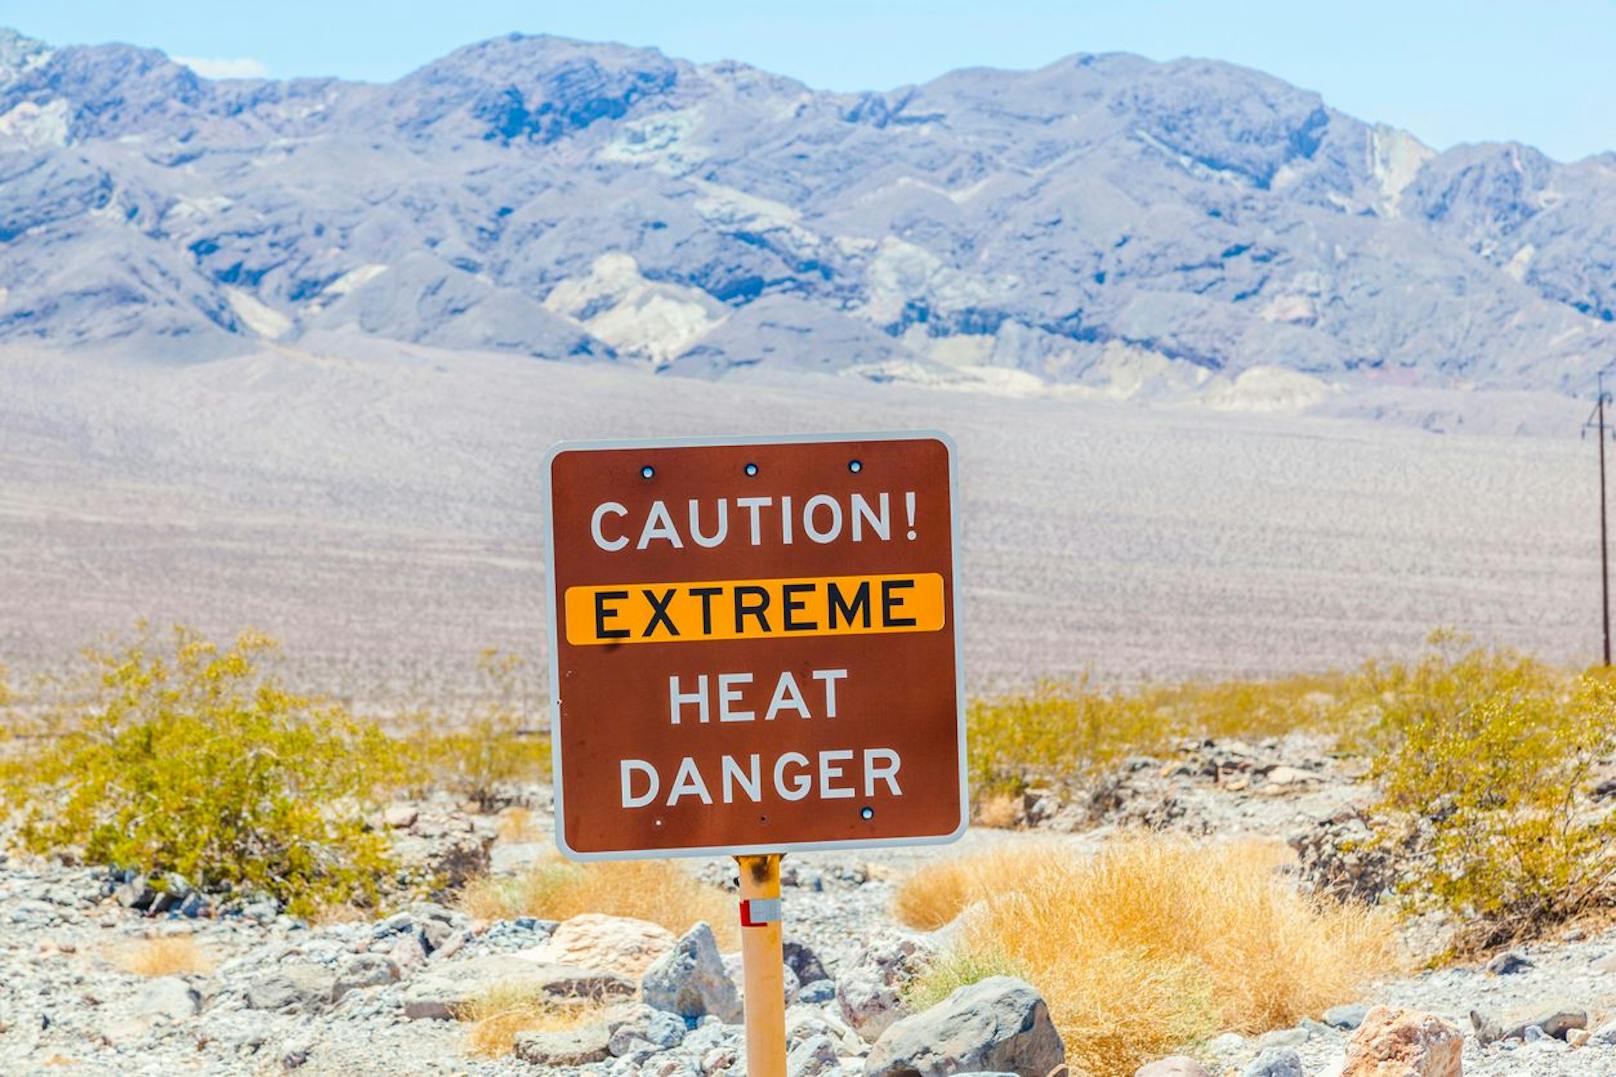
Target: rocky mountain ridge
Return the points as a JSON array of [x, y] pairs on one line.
[[1108, 222]]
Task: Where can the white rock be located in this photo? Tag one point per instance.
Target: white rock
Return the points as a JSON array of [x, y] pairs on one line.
[[364, 970], [572, 1047], [815, 1056], [299, 988], [1287, 776], [441, 992], [168, 998], [593, 941]]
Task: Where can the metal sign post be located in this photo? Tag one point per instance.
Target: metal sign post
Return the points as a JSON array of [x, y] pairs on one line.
[[754, 651], [763, 965]]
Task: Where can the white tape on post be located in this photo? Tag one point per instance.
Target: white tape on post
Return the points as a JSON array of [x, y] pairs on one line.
[[755, 912]]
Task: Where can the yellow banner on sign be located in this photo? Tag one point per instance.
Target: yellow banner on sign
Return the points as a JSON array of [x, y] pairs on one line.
[[704, 611]]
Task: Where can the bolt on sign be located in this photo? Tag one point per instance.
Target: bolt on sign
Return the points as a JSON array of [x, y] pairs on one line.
[[754, 646]]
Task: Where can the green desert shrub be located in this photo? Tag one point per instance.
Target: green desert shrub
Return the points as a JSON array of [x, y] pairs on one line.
[[1484, 760], [190, 758], [497, 743], [955, 969], [1062, 731], [1059, 730]]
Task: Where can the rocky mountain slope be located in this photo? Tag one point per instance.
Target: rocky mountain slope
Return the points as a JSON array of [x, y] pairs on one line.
[[1133, 226]]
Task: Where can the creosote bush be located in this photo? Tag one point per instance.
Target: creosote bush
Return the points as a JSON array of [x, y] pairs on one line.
[[1061, 732], [190, 758], [1484, 760], [656, 890], [498, 742], [1149, 946]]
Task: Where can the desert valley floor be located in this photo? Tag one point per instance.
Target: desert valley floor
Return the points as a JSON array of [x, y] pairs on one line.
[[379, 511]]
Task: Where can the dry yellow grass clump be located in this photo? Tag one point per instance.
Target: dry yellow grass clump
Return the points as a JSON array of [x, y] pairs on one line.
[[176, 956], [1000, 811], [935, 894], [498, 1014], [1151, 945], [655, 890], [518, 824]]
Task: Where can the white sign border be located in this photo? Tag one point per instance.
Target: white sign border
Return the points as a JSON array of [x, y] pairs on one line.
[[555, 651]]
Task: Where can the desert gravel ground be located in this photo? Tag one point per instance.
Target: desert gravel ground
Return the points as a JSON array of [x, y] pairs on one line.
[[65, 1003]]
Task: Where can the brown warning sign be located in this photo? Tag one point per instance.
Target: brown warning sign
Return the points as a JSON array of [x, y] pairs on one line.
[[754, 645]]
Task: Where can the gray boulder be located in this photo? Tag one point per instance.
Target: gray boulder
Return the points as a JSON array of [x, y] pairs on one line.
[[572, 1047], [999, 1023], [691, 981], [1508, 963], [633, 1027], [261, 910], [1275, 1062], [168, 998], [364, 970], [441, 993], [1555, 1019], [433, 934], [173, 894], [817, 993], [1282, 1037], [135, 893], [803, 962], [1347, 1017], [815, 1056], [870, 989], [805, 1022], [407, 950], [292, 989]]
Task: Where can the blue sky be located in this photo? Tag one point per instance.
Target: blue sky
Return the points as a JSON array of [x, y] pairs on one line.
[[1542, 73]]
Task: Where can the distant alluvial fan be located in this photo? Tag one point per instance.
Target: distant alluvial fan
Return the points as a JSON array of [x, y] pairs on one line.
[[1107, 222]]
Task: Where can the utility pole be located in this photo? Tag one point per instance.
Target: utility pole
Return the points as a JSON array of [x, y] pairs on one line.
[[1597, 419]]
